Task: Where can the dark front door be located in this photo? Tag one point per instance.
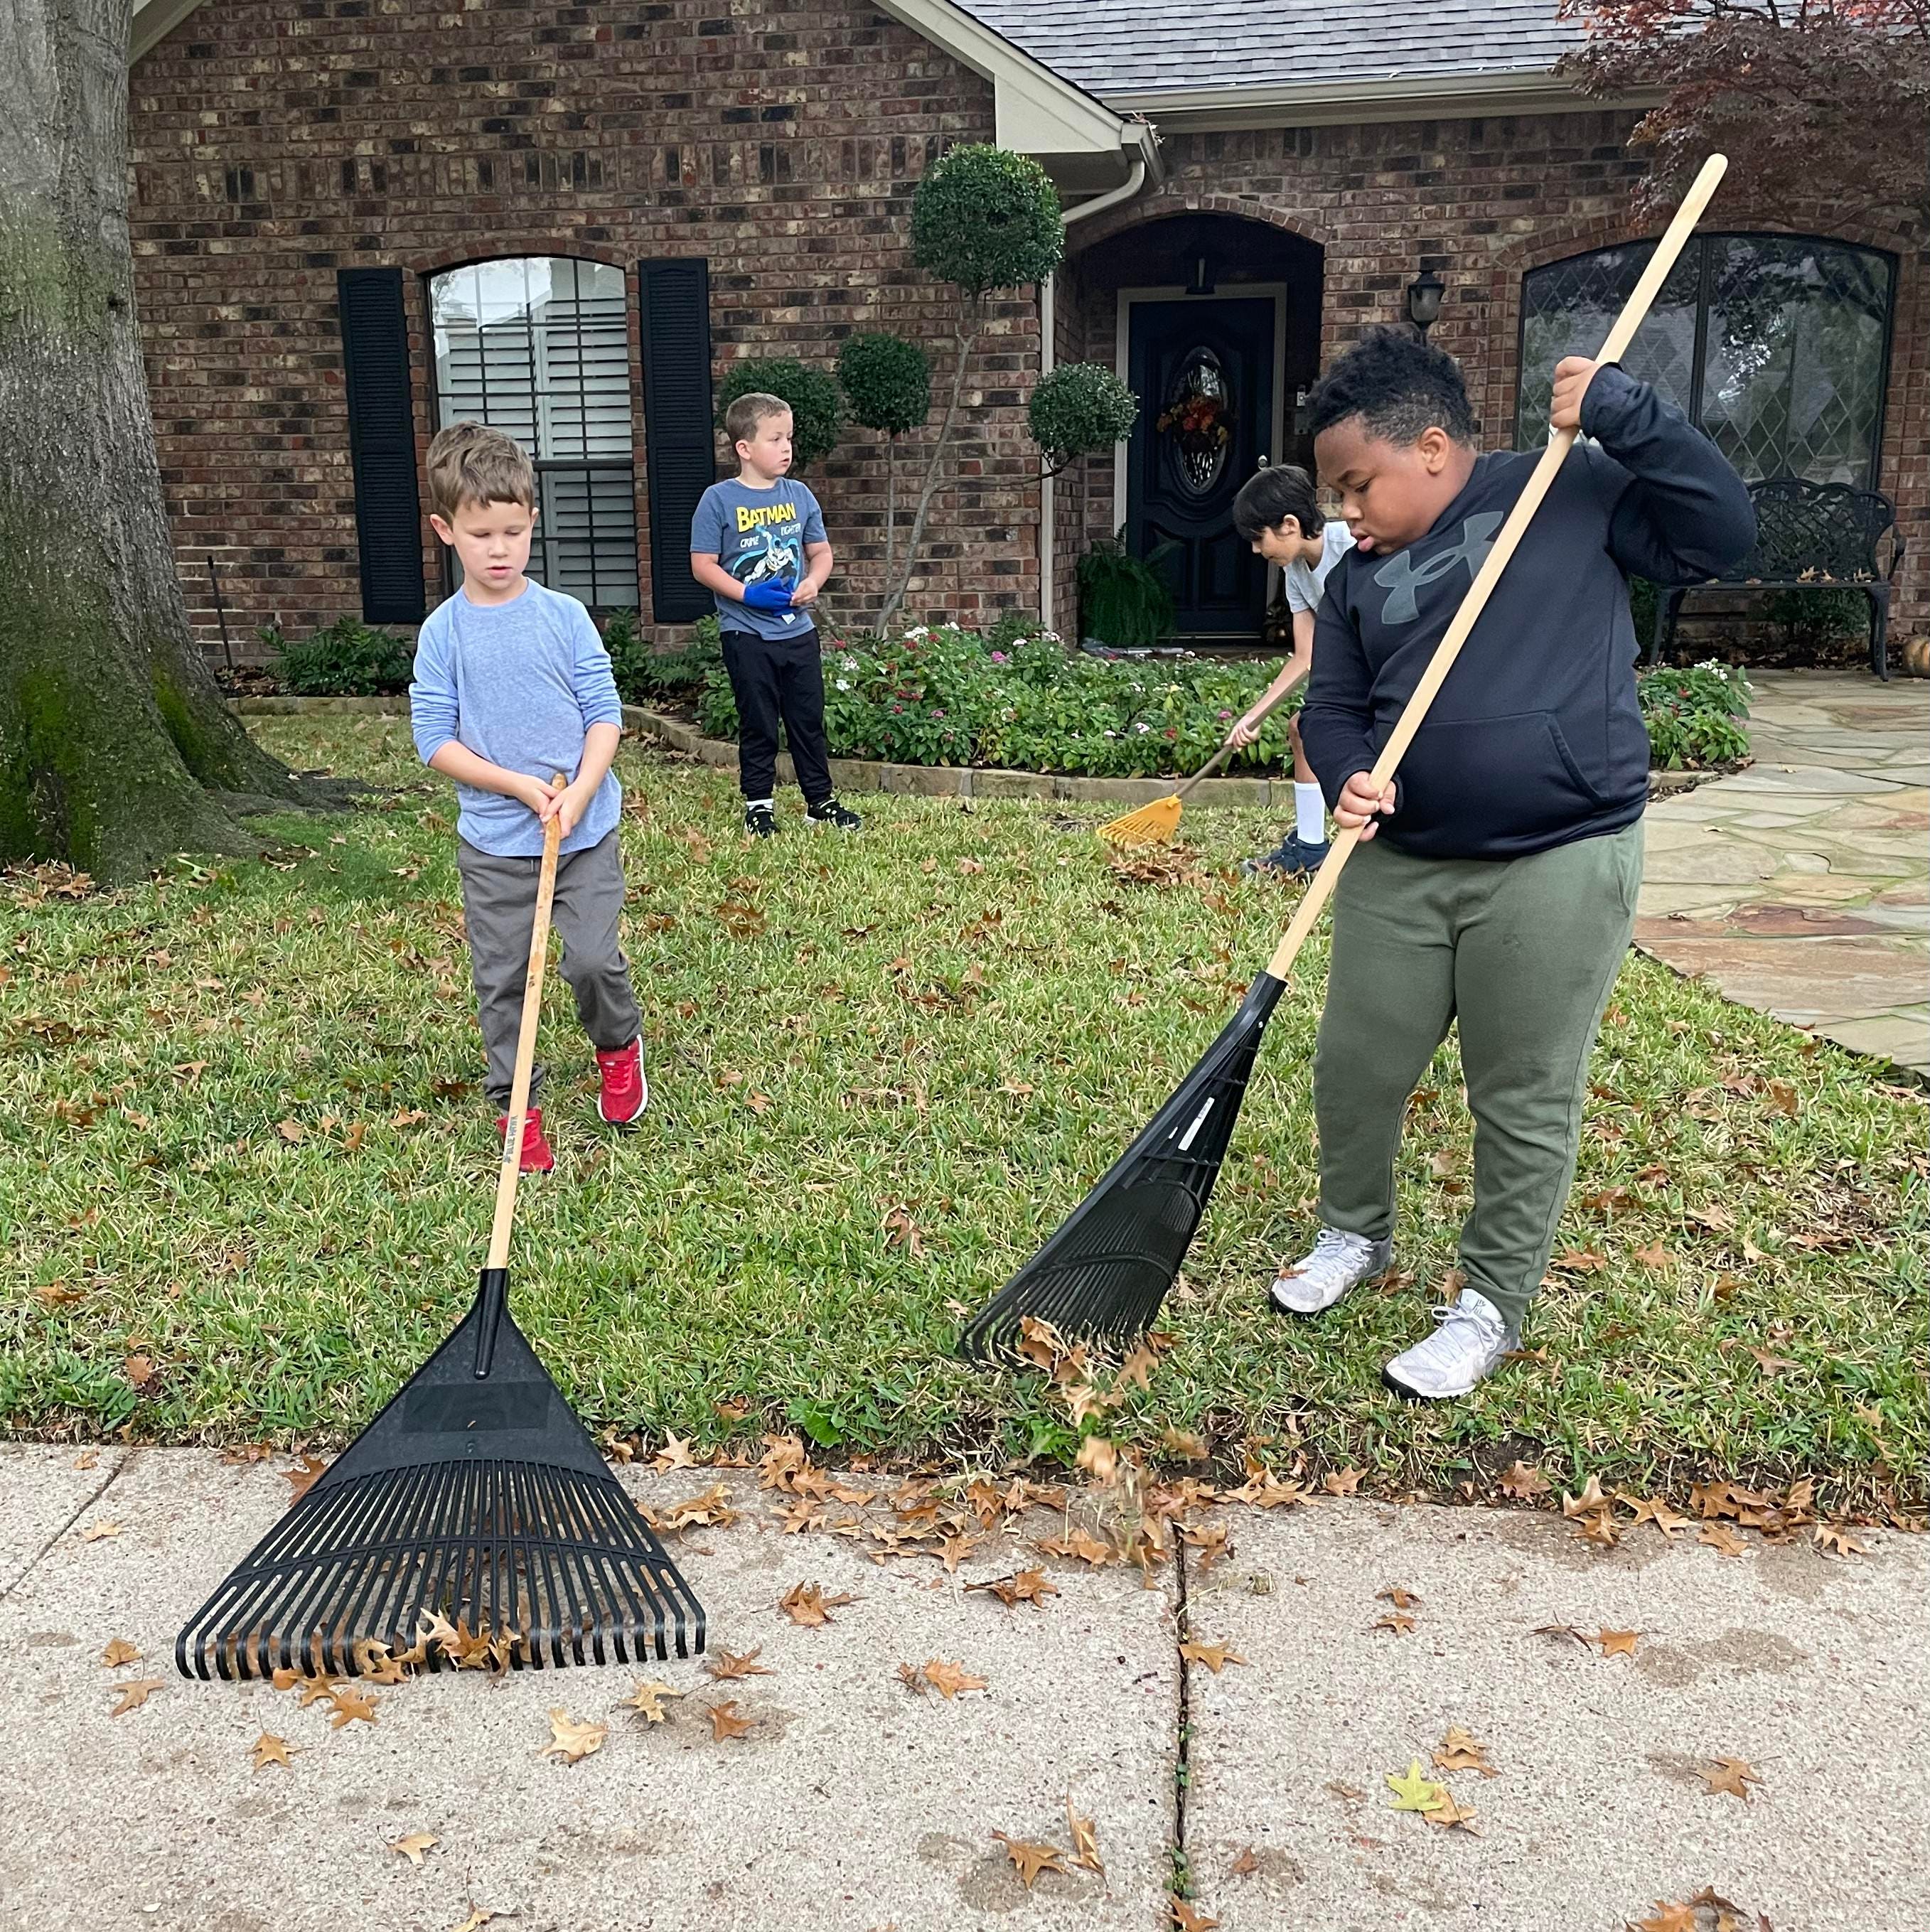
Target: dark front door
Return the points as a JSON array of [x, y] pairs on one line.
[[1203, 369]]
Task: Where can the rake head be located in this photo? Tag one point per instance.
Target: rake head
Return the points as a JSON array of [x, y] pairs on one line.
[[1153, 824], [1103, 1275], [478, 1498]]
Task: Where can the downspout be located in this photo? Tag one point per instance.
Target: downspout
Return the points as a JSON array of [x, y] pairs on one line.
[[1136, 179]]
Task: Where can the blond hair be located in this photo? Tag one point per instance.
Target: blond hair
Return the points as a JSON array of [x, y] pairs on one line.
[[470, 463], [741, 419]]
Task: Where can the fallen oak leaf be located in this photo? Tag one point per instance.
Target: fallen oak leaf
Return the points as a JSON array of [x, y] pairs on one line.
[[1617, 1642], [725, 1724], [1460, 1751], [301, 1479], [352, 1705], [806, 1605], [675, 1454], [1189, 1918], [1023, 1586], [1834, 1536], [1401, 1599], [413, 1847], [1729, 1774], [97, 1532], [727, 1667], [1342, 1482], [949, 1679], [1245, 1864], [1668, 1917], [1216, 1657], [1394, 1621], [648, 1698], [1522, 1483], [1084, 1835], [570, 1740], [1725, 1541], [1098, 1458], [269, 1749], [131, 1695], [1448, 1814], [119, 1651], [1414, 1791], [1030, 1858], [1589, 1501]]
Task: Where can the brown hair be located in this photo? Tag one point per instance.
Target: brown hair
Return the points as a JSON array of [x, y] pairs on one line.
[[741, 419], [470, 463]]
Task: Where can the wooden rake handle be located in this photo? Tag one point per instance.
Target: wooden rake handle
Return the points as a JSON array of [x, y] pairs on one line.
[[1206, 770], [526, 1047], [1559, 443]]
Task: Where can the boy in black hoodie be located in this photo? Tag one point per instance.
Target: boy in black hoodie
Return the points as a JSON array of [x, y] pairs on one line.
[[1499, 888]]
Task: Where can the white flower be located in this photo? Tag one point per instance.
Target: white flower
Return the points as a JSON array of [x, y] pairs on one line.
[[917, 630], [844, 684], [1142, 727]]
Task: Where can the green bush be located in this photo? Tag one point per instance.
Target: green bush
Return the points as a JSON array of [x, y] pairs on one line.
[[886, 380], [812, 395], [985, 218], [1018, 697], [348, 659], [1080, 409], [644, 674], [1123, 600], [1694, 715]]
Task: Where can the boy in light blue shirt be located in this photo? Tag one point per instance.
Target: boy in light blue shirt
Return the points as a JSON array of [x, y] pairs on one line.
[[512, 685]]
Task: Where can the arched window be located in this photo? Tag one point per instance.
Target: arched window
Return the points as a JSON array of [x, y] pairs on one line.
[[538, 347], [1777, 345]]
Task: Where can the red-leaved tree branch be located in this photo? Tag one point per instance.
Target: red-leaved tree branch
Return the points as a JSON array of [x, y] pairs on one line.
[[1819, 100]]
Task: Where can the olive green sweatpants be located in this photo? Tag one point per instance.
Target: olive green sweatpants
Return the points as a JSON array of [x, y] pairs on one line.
[[1522, 952]]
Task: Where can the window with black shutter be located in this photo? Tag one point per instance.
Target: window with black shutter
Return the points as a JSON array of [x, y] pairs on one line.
[[382, 444], [680, 437]]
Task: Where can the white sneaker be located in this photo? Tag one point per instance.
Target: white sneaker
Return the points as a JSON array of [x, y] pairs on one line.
[[1470, 1341], [1336, 1261]]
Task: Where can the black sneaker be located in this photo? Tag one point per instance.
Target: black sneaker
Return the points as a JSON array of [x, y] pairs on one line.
[[760, 821], [1292, 858], [836, 816]]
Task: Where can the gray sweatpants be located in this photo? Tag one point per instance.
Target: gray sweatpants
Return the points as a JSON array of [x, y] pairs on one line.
[[498, 905]]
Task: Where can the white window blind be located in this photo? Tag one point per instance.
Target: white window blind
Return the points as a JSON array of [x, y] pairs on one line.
[[539, 347]]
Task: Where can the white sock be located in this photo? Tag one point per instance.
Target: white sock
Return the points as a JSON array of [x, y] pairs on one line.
[[770, 804], [1310, 814]]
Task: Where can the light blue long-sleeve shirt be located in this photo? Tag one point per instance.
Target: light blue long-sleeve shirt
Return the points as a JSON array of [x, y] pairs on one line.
[[519, 684]]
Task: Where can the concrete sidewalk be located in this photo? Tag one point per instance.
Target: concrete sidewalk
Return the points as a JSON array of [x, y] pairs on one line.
[[851, 1803]]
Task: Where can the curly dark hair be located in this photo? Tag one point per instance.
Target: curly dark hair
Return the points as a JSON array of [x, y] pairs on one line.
[[1398, 386], [1269, 496]]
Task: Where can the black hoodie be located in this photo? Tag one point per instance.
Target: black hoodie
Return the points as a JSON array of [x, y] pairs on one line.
[[1535, 739]]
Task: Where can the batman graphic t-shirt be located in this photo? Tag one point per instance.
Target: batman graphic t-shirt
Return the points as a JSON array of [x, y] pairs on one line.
[[759, 536]]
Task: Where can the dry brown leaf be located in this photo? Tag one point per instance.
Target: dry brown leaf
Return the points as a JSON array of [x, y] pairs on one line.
[[725, 1724], [1617, 1642], [1216, 1657], [1459, 1751], [1582, 1261], [648, 1698], [139, 1370], [1137, 1369], [301, 1479], [1030, 1858], [1084, 1835], [1394, 1621], [1098, 1459], [1725, 1541], [1186, 1445], [1668, 1917], [1189, 1918], [413, 1847], [1834, 1536], [1401, 1599], [1523, 1484], [119, 1651], [1245, 1864], [269, 1749], [902, 1231], [1590, 1499], [675, 1454], [351, 1706], [1342, 1482], [1083, 1402], [1447, 1814], [570, 1740], [96, 1532], [132, 1694], [949, 1679], [1655, 1256], [1598, 1528], [1729, 1774], [1023, 1586], [727, 1667], [806, 1605]]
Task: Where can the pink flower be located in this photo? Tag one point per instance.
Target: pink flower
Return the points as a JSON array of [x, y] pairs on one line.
[[998, 657]]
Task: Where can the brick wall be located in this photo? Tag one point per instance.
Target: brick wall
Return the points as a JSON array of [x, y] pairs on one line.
[[1479, 202], [273, 143]]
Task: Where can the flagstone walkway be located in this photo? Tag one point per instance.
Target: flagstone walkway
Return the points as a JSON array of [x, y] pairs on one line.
[[1801, 887]]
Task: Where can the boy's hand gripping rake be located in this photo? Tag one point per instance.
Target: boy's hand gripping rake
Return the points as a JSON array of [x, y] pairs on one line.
[[476, 1495], [1105, 1271]]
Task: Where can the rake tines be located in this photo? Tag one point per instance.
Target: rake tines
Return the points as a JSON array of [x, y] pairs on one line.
[[1103, 1275]]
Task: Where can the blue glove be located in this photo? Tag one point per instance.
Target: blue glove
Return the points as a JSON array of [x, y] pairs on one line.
[[771, 594]]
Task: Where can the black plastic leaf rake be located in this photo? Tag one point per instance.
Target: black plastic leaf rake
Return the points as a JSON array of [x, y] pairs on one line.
[[475, 1501], [1102, 1276]]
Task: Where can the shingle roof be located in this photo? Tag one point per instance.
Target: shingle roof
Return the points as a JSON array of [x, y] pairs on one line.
[[1112, 47]]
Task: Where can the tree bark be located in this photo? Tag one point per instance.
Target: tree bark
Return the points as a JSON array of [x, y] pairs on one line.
[[967, 337], [116, 746]]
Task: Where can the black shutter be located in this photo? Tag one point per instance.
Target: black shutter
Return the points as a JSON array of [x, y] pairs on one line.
[[680, 439], [382, 444]]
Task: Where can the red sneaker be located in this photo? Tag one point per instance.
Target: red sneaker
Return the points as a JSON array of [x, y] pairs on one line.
[[625, 1092], [537, 1158]]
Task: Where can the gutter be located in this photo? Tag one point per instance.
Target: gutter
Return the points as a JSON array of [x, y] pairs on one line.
[[1136, 179]]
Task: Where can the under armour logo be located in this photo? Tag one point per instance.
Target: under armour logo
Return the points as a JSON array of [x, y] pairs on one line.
[[1399, 578]]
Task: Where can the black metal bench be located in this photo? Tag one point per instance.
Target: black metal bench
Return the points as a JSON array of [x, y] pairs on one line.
[[1809, 536]]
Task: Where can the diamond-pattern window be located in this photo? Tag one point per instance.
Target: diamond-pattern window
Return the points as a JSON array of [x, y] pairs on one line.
[[539, 347], [1776, 344]]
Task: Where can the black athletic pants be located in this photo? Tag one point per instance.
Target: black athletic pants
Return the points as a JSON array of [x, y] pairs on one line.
[[774, 679]]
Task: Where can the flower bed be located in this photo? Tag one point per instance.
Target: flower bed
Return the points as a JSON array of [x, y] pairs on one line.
[[945, 696]]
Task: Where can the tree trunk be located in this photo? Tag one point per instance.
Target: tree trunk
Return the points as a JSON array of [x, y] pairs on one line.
[[116, 746], [968, 336]]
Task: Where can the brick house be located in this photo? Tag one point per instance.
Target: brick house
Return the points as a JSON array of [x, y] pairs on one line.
[[353, 220]]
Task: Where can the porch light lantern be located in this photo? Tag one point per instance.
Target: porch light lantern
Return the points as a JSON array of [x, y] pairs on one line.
[[1423, 300]]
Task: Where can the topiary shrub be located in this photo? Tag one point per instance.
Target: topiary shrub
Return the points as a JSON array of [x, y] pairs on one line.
[[812, 395], [887, 383], [1079, 409], [347, 659]]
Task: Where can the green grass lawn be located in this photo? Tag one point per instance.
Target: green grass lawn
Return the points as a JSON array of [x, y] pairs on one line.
[[244, 1146]]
